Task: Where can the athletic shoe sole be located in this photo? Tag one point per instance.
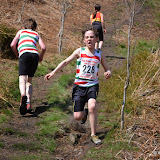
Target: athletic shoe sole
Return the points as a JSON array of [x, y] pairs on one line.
[[29, 110], [23, 106]]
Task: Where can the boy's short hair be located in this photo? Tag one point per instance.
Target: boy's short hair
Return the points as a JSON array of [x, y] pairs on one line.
[[30, 23], [90, 28]]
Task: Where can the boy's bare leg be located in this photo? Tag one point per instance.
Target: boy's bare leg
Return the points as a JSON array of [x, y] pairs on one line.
[[22, 84], [96, 45], [29, 89], [100, 44], [92, 115]]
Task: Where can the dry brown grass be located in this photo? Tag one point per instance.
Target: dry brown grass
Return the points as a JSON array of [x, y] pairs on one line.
[[47, 14], [149, 87], [144, 136]]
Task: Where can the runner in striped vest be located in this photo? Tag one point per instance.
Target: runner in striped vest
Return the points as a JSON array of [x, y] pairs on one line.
[[85, 89], [29, 57], [27, 41], [87, 69]]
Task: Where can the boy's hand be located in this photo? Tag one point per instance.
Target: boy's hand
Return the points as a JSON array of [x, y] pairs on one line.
[[47, 77], [107, 74]]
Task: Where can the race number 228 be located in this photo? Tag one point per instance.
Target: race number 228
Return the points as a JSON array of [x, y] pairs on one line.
[[88, 69]]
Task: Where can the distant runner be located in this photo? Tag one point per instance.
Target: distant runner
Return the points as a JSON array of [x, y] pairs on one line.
[[29, 57], [86, 84], [97, 21]]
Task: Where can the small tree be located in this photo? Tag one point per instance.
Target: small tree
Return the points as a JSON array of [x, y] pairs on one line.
[[131, 22], [64, 5], [20, 16]]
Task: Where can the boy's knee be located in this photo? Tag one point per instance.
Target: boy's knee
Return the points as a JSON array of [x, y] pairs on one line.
[[91, 105], [92, 108], [78, 116]]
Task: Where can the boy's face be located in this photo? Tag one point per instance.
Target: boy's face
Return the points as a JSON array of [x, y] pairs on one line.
[[90, 39]]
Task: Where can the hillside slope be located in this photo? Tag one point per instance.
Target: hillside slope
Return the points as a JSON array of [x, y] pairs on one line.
[[47, 15]]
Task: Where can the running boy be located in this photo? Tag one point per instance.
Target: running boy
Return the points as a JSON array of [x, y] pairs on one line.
[[29, 57], [97, 21], [86, 80]]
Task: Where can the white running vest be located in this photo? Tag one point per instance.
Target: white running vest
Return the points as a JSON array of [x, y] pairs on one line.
[[27, 41], [87, 69]]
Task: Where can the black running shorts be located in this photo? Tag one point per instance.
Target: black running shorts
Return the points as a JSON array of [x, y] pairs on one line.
[[81, 95], [28, 63], [98, 26], [100, 33]]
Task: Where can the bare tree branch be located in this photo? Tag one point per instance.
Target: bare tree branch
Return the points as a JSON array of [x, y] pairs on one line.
[[128, 65], [140, 7], [20, 17], [131, 23], [64, 6], [6, 102]]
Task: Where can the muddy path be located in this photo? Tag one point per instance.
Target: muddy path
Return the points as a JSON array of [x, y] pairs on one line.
[[65, 150]]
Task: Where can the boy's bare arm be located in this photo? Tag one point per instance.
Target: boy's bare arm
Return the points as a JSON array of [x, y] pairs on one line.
[[43, 48], [103, 24], [14, 43], [61, 65], [107, 72], [91, 19]]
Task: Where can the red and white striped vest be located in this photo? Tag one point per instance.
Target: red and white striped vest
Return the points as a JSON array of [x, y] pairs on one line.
[[87, 69], [27, 41]]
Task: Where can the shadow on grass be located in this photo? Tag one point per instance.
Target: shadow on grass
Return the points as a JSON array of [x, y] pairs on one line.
[[103, 134], [116, 57], [64, 106]]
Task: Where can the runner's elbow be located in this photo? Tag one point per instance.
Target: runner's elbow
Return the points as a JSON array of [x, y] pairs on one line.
[[44, 48]]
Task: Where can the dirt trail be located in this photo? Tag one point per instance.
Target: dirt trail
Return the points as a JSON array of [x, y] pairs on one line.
[[65, 150]]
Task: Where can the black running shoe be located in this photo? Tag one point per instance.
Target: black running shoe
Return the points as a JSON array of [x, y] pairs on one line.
[[85, 116], [23, 106]]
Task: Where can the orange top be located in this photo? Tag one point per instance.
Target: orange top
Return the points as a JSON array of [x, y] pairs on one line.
[[97, 18]]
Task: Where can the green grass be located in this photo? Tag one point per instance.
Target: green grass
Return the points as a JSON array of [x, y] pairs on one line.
[[111, 91], [42, 69], [14, 89], [155, 4], [152, 3], [27, 146], [51, 121], [58, 90], [57, 113], [143, 71], [114, 142], [6, 36], [3, 118], [48, 143], [1, 145], [141, 46], [11, 131], [5, 113], [49, 124], [30, 157]]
